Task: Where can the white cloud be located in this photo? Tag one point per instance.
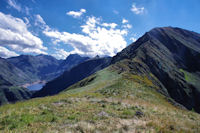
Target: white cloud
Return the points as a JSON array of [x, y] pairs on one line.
[[77, 14], [5, 53], [39, 19], [137, 10], [90, 24], [12, 3], [14, 34], [39, 22], [127, 26], [18, 7], [26, 20], [111, 25], [124, 21], [97, 39], [60, 54]]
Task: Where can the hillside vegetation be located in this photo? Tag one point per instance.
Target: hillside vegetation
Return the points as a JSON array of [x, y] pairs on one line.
[[150, 86], [110, 100], [72, 76]]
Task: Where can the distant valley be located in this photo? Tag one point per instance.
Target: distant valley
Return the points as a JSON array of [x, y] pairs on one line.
[[26, 70]]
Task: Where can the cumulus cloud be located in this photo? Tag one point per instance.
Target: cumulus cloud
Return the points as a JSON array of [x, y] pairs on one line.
[[5, 53], [15, 35], [77, 14], [98, 38], [137, 10], [60, 54]]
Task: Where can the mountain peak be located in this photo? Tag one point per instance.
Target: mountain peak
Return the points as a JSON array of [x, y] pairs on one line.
[[74, 55], [97, 56], [168, 53], [43, 55]]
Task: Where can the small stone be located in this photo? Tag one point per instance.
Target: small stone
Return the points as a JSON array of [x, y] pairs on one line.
[[103, 114], [139, 114]]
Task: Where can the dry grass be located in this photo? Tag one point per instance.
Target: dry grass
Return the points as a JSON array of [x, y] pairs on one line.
[[110, 103]]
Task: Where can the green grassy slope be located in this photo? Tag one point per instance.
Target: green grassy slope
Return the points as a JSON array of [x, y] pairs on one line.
[[110, 100]]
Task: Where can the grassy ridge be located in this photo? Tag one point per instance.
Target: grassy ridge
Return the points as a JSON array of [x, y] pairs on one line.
[[104, 102]]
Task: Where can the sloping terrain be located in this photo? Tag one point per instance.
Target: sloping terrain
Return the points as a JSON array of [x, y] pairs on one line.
[[36, 67], [17, 71], [147, 88], [10, 93], [71, 61], [107, 101], [10, 78], [12, 74], [72, 76], [172, 55]]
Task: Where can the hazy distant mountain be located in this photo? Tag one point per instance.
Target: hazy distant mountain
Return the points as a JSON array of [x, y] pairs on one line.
[[73, 75], [11, 73], [36, 67], [44, 67], [71, 61], [10, 78], [23, 69]]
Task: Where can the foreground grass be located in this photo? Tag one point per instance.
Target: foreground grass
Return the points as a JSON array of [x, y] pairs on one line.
[[104, 102]]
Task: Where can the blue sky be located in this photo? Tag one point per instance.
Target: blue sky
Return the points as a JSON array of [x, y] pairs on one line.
[[87, 27]]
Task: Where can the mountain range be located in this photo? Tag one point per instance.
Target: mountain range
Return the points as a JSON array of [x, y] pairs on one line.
[[44, 67], [25, 69], [168, 56], [72, 76], [150, 86]]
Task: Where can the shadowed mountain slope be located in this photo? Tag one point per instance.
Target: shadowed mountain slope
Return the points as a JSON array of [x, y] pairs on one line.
[[36, 67], [17, 71], [10, 93], [71, 61], [122, 97], [108, 101], [172, 55], [72, 76], [12, 74], [44, 67]]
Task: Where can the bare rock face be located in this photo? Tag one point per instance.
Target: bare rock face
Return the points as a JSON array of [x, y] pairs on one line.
[[172, 55]]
